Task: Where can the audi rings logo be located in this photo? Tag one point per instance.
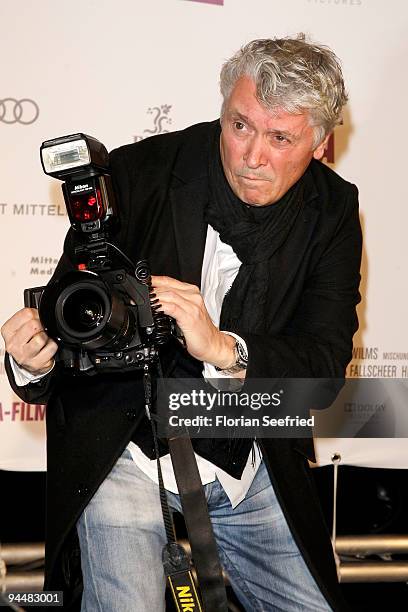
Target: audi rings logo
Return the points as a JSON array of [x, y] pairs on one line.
[[24, 111]]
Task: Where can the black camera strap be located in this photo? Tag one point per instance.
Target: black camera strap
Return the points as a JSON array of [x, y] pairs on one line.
[[177, 565], [199, 528]]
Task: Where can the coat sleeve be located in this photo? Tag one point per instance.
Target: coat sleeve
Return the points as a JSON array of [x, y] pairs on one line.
[[39, 392], [317, 341]]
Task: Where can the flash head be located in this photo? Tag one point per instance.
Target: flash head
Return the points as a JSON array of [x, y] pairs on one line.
[[82, 163], [73, 155]]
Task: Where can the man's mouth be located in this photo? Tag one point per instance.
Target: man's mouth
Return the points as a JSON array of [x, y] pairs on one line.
[[253, 178]]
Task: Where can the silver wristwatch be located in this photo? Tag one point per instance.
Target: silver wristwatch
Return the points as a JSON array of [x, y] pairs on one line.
[[241, 360]]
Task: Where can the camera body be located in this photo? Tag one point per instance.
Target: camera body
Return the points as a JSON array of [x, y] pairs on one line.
[[103, 313]]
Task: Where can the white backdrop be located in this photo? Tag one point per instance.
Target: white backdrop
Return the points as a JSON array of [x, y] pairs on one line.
[[122, 70]]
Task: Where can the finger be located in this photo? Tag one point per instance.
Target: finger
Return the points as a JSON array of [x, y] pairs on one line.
[[169, 293], [25, 352], [45, 358], [37, 344], [176, 312], [24, 334], [173, 283], [18, 320], [187, 301], [171, 303]]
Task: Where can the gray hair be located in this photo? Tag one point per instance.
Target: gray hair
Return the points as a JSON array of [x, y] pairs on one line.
[[292, 74]]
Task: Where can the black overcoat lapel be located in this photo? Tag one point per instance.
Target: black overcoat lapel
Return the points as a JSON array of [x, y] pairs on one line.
[[187, 206], [188, 199]]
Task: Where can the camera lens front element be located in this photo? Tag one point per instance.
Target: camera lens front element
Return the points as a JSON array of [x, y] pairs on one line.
[[84, 311], [81, 309]]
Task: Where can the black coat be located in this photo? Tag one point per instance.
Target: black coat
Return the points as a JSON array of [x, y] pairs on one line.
[[161, 186]]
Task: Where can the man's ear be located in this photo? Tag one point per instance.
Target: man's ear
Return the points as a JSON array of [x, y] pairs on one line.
[[319, 150]]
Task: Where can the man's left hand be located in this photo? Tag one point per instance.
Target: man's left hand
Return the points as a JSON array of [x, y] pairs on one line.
[[185, 304]]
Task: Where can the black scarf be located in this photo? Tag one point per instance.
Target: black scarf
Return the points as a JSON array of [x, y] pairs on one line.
[[255, 233]]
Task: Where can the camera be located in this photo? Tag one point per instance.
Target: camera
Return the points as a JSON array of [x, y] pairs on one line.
[[103, 314]]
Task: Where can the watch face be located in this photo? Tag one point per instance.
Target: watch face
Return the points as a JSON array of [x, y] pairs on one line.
[[241, 360], [242, 354]]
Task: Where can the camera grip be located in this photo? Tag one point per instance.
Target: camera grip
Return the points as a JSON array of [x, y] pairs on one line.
[[32, 297]]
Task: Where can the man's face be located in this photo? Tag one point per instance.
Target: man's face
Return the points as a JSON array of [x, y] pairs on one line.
[[263, 153]]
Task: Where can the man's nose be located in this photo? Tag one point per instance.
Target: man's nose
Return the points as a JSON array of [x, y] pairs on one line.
[[255, 154]]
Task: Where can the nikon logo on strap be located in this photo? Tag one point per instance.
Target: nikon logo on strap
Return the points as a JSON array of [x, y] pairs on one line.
[[177, 568], [185, 598], [184, 593]]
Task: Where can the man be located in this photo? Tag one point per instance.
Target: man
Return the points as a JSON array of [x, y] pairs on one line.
[[242, 209]]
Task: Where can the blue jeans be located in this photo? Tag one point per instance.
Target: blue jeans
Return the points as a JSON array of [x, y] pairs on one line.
[[121, 537]]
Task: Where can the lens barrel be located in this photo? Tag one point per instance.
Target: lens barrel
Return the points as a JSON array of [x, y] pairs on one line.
[[82, 310]]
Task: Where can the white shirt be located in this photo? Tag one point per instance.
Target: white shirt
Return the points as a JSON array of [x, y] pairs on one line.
[[219, 269]]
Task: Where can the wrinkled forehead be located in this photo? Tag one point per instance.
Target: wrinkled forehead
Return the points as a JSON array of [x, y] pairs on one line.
[[244, 105]]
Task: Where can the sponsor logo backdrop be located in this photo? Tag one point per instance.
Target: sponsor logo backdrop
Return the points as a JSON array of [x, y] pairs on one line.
[[124, 71]]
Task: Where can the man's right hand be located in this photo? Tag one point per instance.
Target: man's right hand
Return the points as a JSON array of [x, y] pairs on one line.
[[27, 342]]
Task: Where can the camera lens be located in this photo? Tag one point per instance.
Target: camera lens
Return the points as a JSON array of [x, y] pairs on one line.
[[84, 310]]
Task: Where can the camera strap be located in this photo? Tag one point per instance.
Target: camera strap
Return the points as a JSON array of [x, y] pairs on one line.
[[177, 565]]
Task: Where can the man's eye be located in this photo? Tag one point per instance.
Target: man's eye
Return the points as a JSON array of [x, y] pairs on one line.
[[238, 125], [280, 138]]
